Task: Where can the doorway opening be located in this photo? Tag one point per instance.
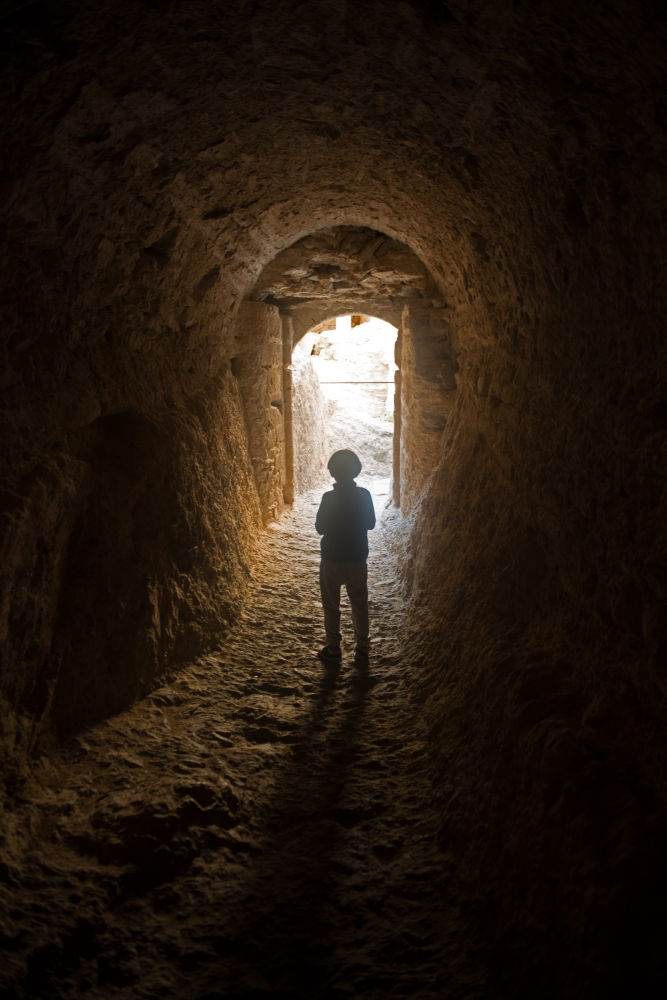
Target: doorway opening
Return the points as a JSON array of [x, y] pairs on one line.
[[353, 274], [343, 374]]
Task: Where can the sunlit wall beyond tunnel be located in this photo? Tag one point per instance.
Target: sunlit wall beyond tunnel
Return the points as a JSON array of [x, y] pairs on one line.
[[352, 359], [187, 190]]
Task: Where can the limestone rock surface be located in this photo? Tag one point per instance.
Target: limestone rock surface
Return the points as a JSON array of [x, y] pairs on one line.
[[156, 159]]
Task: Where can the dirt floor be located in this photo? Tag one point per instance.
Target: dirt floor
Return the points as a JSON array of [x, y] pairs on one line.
[[258, 825]]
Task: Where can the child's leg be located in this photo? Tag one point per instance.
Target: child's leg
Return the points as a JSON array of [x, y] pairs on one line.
[[356, 584], [330, 584]]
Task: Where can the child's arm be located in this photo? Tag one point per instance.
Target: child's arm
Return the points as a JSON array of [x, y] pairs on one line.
[[322, 519]]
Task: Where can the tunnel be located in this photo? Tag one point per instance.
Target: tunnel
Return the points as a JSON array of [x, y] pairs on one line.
[[191, 806]]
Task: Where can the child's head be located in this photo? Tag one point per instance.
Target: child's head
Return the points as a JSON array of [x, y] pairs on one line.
[[344, 466]]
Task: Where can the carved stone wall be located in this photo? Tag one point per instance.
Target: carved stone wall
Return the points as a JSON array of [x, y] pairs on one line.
[[311, 452], [428, 385], [155, 160], [258, 366]]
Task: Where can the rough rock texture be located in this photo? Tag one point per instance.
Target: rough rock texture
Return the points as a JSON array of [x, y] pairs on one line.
[[340, 271], [310, 425], [428, 384], [256, 825], [368, 437], [258, 366], [152, 567], [155, 159]]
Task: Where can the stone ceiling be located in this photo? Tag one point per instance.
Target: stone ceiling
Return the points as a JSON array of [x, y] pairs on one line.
[[344, 269]]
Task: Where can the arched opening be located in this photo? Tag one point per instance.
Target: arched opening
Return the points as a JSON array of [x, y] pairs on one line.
[[351, 360], [334, 273]]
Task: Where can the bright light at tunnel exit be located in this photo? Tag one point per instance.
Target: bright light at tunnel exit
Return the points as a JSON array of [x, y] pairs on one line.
[[355, 364], [352, 358]]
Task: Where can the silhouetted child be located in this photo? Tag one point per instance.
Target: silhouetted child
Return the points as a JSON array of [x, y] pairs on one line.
[[345, 515]]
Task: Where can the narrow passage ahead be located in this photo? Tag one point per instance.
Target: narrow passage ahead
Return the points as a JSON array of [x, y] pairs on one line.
[[258, 825]]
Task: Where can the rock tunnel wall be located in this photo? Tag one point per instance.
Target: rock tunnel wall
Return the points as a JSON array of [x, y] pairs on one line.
[[311, 452], [148, 533], [154, 162], [427, 390], [258, 366]]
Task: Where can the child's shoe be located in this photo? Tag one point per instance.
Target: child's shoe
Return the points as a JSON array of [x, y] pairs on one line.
[[330, 654], [362, 653]]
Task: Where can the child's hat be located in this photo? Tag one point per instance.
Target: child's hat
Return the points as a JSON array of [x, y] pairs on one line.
[[344, 464]]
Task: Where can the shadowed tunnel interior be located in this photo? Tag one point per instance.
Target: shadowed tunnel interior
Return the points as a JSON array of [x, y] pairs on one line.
[[187, 189]]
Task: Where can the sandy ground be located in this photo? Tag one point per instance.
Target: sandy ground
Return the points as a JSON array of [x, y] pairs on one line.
[[257, 826]]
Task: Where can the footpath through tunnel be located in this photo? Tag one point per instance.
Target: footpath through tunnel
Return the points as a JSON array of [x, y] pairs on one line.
[[258, 824], [188, 191]]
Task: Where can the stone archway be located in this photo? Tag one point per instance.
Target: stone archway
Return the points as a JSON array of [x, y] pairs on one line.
[[332, 272]]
